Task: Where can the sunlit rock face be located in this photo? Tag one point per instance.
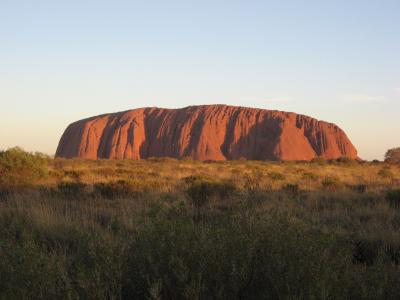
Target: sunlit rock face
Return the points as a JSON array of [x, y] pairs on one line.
[[206, 132]]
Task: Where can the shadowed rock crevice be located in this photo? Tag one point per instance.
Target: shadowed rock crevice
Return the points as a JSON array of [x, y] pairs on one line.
[[206, 132], [229, 135]]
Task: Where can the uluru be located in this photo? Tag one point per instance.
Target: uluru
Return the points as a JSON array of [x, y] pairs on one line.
[[205, 132]]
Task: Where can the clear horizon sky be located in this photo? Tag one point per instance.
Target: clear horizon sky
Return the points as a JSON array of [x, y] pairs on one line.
[[61, 61]]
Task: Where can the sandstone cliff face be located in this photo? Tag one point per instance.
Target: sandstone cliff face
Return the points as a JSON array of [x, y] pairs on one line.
[[207, 132]]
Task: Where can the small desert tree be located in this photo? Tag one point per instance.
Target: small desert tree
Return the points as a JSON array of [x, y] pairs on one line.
[[393, 155]]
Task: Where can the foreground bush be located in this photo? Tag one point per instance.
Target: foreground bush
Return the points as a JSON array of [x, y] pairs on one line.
[[20, 168]]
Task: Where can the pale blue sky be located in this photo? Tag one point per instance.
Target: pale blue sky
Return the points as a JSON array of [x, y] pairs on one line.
[[61, 61]]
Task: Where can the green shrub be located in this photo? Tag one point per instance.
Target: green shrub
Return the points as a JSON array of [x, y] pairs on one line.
[[20, 168]]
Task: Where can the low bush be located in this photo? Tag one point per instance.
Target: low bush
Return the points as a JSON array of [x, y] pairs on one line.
[[20, 168]]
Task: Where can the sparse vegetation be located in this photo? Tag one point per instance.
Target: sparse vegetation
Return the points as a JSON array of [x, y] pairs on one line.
[[183, 229]]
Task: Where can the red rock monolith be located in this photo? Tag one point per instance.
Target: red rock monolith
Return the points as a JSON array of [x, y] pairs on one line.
[[205, 132]]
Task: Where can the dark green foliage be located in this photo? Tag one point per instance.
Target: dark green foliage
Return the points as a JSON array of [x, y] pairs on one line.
[[19, 168], [393, 197]]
